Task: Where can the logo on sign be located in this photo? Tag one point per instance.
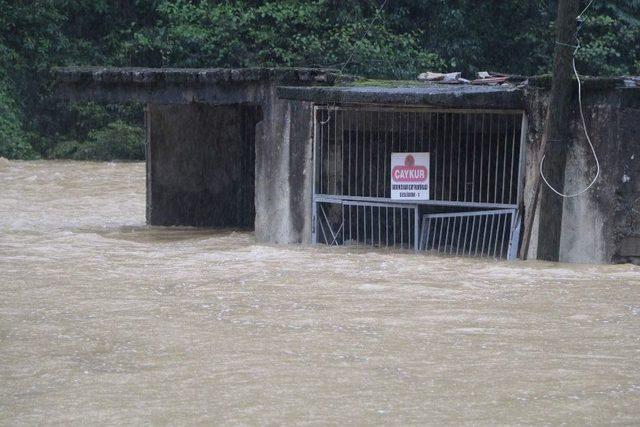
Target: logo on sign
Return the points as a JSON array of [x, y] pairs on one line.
[[410, 176], [409, 172]]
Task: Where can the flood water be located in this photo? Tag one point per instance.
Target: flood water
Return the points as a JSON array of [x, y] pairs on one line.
[[105, 320]]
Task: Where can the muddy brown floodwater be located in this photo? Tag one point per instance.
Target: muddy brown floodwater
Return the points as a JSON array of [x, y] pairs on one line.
[[105, 320]]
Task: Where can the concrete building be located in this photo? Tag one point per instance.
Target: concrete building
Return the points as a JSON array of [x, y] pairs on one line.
[[303, 159]]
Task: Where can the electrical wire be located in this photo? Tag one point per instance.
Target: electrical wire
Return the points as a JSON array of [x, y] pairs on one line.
[[584, 123]]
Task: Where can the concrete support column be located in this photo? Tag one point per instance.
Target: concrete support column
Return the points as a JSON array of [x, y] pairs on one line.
[[283, 171]]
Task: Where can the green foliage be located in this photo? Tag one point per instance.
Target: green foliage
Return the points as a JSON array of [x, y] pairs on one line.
[[13, 140], [117, 140], [277, 33], [610, 46], [407, 37]]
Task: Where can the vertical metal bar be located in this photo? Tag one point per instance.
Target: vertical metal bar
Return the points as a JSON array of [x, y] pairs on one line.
[[342, 152], [350, 234], [473, 163], [473, 230], [421, 115], [504, 156], [451, 160], [357, 224], [369, 140], [440, 233], [459, 153], [327, 146], [489, 156], [457, 228], [386, 229], [466, 158], [481, 159], [407, 132], [321, 158], [328, 150], [349, 130], [410, 231], [364, 154], [490, 234], [364, 228], [495, 242], [401, 228], [466, 230], [314, 208], [415, 132], [504, 234], [435, 159], [478, 235], [379, 226], [378, 124], [444, 154], [394, 227], [484, 233], [495, 183], [459, 235], [430, 116], [513, 150], [428, 236], [416, 221], [372, 224], [357, 150], [386, 158], [446, 234], [514, 236], [335, 151], [342, 228]]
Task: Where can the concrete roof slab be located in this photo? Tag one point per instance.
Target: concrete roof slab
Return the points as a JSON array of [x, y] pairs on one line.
[[179, 85], [437, 95]]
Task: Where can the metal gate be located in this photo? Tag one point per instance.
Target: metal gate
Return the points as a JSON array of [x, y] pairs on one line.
[[475, 174]]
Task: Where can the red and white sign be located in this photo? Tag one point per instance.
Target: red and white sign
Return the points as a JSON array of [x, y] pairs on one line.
[[410, 176]]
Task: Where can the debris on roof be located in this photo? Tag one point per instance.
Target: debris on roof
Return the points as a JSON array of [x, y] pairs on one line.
[[486, 78], [447, 78]]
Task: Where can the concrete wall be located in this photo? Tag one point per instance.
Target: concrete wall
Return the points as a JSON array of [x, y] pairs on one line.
[[602, 225], [232, 166], [283, 172], [200, 165]]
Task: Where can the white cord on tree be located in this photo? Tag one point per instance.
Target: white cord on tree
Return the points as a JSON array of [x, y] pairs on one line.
[[584, 127]]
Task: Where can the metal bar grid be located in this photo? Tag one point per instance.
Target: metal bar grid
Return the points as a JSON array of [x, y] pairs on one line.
[[476, 158], [367, 224], [485, 234], [475, 155]]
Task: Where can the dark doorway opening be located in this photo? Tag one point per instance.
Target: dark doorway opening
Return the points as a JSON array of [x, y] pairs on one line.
[[201, 165]]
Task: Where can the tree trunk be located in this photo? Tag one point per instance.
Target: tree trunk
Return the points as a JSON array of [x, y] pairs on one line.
[[555, 142]]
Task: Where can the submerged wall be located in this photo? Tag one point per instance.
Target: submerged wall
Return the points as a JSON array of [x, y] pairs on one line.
[[602, 225], [210, 164], [201, 142], [283, 172]]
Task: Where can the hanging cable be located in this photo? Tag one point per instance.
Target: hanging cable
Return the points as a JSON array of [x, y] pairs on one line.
[[577, 47]]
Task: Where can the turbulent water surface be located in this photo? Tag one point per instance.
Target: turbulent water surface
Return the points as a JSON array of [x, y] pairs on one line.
[[103, 319]]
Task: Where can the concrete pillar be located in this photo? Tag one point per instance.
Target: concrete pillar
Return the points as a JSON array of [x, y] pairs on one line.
[[283, 171]]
